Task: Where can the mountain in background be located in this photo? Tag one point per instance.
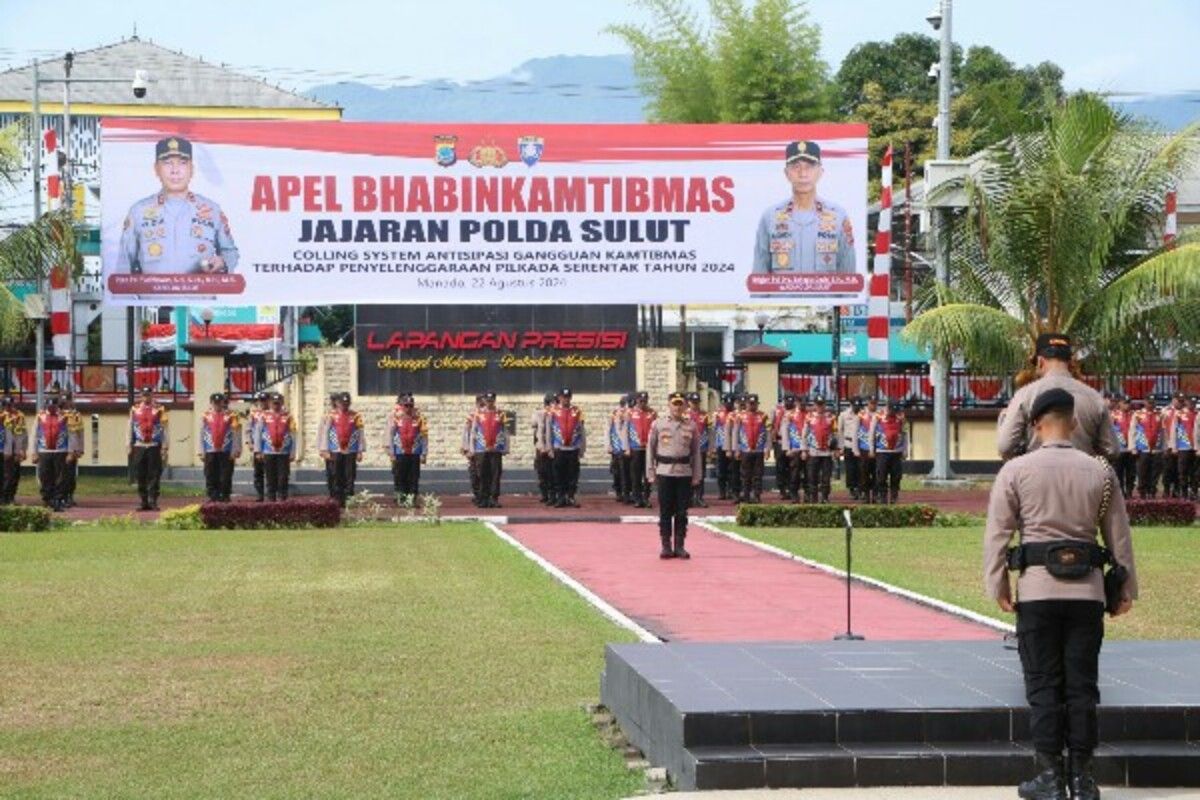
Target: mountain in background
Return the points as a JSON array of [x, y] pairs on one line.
[[1173, 112], [556, 89]]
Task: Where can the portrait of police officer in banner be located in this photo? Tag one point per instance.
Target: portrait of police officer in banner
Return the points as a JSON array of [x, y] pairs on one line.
[[805, 233], [175, 230]]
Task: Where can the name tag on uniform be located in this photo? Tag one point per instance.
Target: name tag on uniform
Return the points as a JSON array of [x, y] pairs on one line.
[[827, 246], [781, 245]]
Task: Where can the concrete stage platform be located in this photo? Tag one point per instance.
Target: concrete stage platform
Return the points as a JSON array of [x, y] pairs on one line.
[[837, 714]]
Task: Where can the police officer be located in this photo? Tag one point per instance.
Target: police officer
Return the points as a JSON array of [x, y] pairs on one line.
[[614, 445], [1181, 447], [342, 443], [862, 446], [820, 440], [176, 230], [703, 425], [674, 461], [75, 428], [566, 434], [783, 463], [721, 445], [1055, 497], [752, 438], [804, 233], [489, 443], [543, 456], [16, 442], [1122, 418], [277, 447], [639, 420], [469, 454], [148, 445], [54, 447], [220, 446], [1145, 441], [407, 444], [889, 442], [790, 435], [1093, 435], [847, 424], [254, 440], [1170, 469]]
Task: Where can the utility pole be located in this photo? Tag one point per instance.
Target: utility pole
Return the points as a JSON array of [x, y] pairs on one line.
[[941, 364], [39, 356]]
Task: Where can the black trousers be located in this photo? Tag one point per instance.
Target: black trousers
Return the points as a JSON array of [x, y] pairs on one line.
[[1185, 468], [726, 474], [820, 475], [752, 475], [889, 467], [866, 476], [473, 474], [70, 478], [52, 476], [1148, 466], [625, 473], [1170, 475], [566, 473], [406, 474], [147, 469], [637, 474], [1059, 644], [260, 478], [345, 469], [783, 469], [277, 469], [11, 479], [329, 476], [614, 471], [1125, 466], [698, 489], [796, 473], [674, 497], [218, 473], [852, 462], [542, 465], [490, 467]]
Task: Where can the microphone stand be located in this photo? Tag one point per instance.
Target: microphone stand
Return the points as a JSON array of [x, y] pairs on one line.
[[849, 635]]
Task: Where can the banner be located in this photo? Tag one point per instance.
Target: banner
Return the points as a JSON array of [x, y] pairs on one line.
[[506, 349], [299, 213]]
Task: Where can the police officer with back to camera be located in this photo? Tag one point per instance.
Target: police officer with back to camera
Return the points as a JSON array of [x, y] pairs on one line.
[[1052, 359], [675, 462], [176, 230], [805, 233], [148, 445], [1055, 498]]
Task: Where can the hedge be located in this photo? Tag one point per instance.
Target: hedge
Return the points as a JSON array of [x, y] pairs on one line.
[[24, 518], [830, 516], [1161, 512], [184, 518], [322, 513]]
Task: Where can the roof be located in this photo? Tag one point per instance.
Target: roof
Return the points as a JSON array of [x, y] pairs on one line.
[[175, 79]]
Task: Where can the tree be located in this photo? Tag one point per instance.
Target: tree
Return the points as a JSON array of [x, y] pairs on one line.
[[1063, 233], [756, 64], [899, 67]]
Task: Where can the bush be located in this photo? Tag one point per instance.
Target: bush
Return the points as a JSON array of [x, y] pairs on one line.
[[830, 516], [959, 519], [1161, 512], [186, 518], [323, 513], [24, 518]]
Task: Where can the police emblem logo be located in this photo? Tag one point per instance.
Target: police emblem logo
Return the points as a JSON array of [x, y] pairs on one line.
[[444, 150], [530, 148], [173, 145], [488, 154]]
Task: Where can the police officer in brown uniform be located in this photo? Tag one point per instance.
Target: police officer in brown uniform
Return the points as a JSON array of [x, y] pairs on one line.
[[1054, 498], [1093, 435], [674, 460]]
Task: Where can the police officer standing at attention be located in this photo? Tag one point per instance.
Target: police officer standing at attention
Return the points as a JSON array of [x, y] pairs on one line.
[[16, 442], [1054, 498], [804, 233], [703, 425], [277, 447], [342, 443], [543, 456], [847, 425], [639, 420], [674, 460], [254, 439], [407, 443], [220, 446], [489, 443], [54, 447], [567, 435], [722, 444], [176, 230], [148, 445], [1093, 435], [751, 438]]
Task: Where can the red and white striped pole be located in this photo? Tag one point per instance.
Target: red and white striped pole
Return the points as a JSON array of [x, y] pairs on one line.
[[50, 169], [60, 279], [1170, 226], [879, 298]]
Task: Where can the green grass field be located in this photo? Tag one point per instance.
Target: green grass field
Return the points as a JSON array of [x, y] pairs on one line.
[[947, 563], [415, 662]]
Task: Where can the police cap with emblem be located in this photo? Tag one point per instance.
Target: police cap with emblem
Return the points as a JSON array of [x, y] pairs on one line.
[[216, 397], [489, 395], [344, 397], [693, 396], [643, 396], [548, 398], [802, 151], [564, 392], [751, 398], [728, 399], [674, 398], [1052, 400], [1054, 345], [147, 390], [173, 146]]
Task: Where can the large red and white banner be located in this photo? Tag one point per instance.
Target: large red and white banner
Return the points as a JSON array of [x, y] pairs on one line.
[[303, 213]]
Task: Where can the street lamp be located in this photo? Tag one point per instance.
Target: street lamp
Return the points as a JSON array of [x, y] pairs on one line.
[[138, 86], [207, 316], [761, 319]]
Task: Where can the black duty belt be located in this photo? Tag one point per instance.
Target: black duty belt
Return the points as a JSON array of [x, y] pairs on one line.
[[1066, 558], [673, 459]]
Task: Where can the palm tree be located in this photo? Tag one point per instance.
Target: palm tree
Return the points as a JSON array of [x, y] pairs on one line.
[[1063, 232], [28, 253]]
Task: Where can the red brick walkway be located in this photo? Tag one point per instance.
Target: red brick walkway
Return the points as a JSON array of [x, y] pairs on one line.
[[728, 591]]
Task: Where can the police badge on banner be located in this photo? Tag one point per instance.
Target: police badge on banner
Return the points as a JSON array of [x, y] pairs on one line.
[[357, 212], [530, 148]]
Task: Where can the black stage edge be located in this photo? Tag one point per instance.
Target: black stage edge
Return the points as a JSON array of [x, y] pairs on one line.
[[835, 714]]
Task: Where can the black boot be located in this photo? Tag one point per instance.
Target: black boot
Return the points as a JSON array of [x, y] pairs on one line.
[[1048, 784], [679, 551], [1083, 783], [666, 551]]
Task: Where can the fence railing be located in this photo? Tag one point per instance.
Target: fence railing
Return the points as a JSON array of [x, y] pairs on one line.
[[914, 387], [110, 379]]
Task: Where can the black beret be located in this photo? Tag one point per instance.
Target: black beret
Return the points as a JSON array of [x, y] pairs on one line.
[[1051, 400], [1054, 345], [694, 396]]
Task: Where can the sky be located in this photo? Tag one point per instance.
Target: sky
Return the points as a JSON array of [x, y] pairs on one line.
[[1118, 47]]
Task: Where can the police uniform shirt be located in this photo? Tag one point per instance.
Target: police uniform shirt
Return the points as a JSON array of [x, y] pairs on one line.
[[847, 423], [175, 235], [1093, 434], [675, 439], [791, 240], [1052, 494]]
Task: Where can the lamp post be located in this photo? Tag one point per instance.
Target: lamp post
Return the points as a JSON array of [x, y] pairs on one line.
[[761, 319], [940, 19], [207, 317]]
